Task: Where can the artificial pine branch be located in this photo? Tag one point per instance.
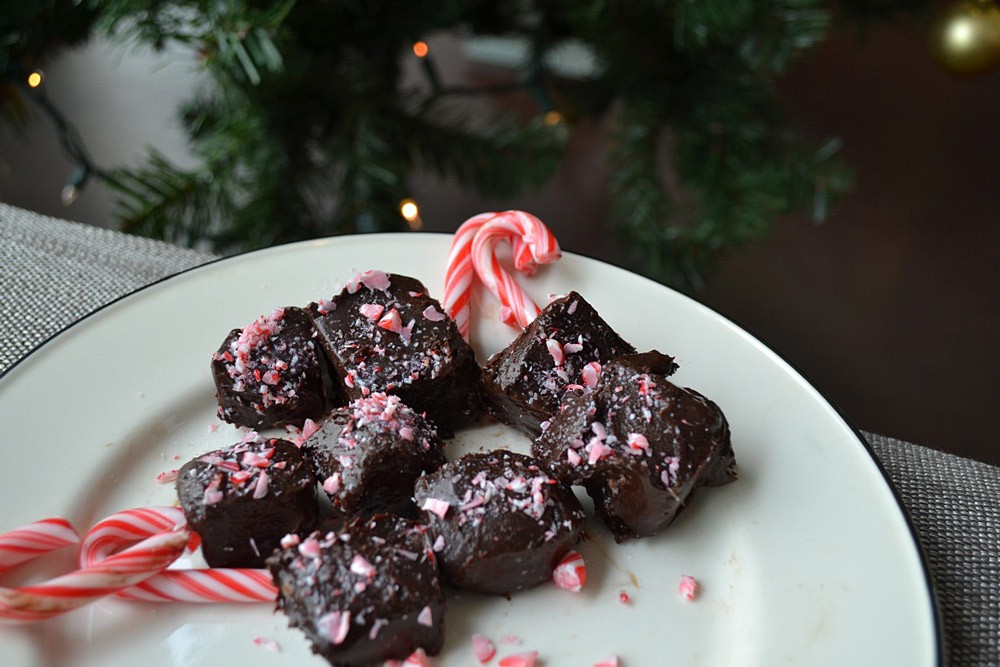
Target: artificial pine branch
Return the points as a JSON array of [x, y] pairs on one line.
[[306, 127]]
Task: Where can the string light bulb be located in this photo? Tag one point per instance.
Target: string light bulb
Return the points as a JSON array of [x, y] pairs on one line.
[[411, 213], [420, 49], [71, 191], [35, 78], [554, 118]]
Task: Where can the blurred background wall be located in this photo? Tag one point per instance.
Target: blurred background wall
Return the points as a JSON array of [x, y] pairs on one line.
[[891, 307]]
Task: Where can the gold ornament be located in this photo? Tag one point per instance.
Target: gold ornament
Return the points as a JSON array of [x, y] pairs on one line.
[[966, 40]]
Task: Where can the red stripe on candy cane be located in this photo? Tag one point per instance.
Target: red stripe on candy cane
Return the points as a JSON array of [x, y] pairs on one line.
[[531, 244], [179, 585], [30, 541], [56, 596], [536, 245]]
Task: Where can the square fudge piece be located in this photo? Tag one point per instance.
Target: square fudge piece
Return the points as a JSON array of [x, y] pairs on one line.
[[384, 333], [369, 455], [500, 522], [364, 595], [243, 499], [563, 348], [269, 373], [639, 444]]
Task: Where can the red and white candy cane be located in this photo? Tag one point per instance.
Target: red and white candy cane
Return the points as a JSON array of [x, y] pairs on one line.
[[460, 274], [535, 245], [38, 602], [27, 542], [187, 585]]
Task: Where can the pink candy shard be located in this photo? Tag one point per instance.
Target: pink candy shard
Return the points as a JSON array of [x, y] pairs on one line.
[[556, 351], [610, 661], [417, 659], [519, 660], [375, 280], [571, 572], [437, 506], [391, 321], [483, 648], [334, 626], [268, 644], [688, 587], [371, 311], [637, 441], [431, 313], [591, 373]]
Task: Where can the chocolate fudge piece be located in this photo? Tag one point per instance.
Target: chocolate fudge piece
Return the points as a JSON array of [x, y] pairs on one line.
[[269, 372], [564, 347], [368, 456], [364, 595], [499, 521], [639, 444], [243, 499], [383, 332]]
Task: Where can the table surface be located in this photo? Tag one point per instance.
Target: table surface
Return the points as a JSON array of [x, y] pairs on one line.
[[54, 272]]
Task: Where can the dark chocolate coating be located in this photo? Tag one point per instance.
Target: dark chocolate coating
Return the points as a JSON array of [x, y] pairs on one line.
[[524, 385], [367, 594], [507, 525], [216, 492], [638, 490], [280, 357], [368, 456], [426, 362]]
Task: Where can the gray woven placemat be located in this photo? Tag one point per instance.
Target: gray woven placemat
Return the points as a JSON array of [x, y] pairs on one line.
[[53, 272], [954, 504]]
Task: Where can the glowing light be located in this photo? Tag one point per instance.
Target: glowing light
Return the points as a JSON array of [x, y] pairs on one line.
[[553, 118], [34, 79], [411, 213], [409, 209], [420, 49]]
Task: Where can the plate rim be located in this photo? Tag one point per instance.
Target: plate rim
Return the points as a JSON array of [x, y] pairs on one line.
[[930, 583]]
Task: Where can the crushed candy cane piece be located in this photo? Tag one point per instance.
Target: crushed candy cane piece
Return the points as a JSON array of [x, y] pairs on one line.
[[391, 321], [571, 572], [610, 661], [334, 626], [483, 648], [360, 565], [371, 311], [309, 427], [437, 506], [688, 587], [168, 477], [433, 314], [417, 659], [268, 644], [556, 351], [519, 660]]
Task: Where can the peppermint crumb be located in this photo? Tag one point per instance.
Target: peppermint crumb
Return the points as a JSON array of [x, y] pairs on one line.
[[267, 644], [688, 587]]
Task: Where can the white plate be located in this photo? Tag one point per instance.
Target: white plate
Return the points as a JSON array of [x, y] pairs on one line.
[[806, 560]]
